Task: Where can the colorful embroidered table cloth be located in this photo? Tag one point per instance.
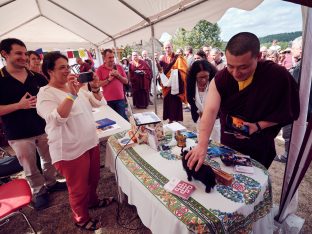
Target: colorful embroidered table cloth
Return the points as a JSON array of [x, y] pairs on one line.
[[243, 207]]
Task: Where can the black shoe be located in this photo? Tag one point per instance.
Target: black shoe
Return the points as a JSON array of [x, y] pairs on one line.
[[282, 158], [41, 201], [58, 186], [150, 102]]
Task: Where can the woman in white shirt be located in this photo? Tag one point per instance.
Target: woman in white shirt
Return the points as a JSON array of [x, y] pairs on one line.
[[200, 74], [73, 142]]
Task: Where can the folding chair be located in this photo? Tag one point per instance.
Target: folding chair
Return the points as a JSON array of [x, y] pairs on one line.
[[14, 195]]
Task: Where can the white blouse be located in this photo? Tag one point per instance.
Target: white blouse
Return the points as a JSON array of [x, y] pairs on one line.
[[70, 137]]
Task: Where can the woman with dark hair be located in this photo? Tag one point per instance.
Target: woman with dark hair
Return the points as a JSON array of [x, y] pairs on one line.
[[200, 55], [200, 74], [73, 142]]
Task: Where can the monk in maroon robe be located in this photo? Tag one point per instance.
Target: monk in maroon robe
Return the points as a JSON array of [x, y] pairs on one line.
[[261, 93], [173, 103], [140, 77]]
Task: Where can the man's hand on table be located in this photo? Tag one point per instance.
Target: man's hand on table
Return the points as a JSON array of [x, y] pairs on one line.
[[197, 154]]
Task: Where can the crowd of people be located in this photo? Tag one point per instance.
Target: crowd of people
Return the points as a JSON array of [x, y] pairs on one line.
[[45, 109]]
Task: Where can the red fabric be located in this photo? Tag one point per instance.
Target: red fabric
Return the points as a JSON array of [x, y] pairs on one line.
[[82, 176], [114, 90], [70, 54], [140, 83], [13, 196], [84, 67]]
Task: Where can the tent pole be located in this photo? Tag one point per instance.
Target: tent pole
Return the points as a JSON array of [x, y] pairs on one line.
[[115, 49], [154, 67], [99, 55]]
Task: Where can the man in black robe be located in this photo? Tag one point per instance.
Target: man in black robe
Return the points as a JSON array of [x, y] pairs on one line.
[[262, 93]]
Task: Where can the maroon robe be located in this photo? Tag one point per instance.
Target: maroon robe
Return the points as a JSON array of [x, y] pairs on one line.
[[85, 67], [140, 78], [272, 96]]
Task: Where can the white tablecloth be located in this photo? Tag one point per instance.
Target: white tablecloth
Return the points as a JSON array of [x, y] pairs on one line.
[[107, 112], [154, 213]]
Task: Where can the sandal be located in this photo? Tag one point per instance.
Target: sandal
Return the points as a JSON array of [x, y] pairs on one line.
[[90, 225], [104, 202]]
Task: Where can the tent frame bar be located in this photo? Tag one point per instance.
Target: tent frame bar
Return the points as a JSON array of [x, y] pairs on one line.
[[139, 26], [20, 25], [85, 21], [136, 11], [69, 30], [6, 3]]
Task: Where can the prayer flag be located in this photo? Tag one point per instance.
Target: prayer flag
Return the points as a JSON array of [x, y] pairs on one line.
[[70, 54], [82, 53], [76, 53]]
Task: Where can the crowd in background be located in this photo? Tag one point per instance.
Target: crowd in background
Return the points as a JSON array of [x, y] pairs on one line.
[[182, 79]]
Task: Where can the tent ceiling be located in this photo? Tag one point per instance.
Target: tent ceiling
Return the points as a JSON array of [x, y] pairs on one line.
[[99, 22]]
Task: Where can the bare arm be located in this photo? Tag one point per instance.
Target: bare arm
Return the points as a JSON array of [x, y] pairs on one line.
[[65, 107], [26, 102], [116, 75], [104, 82], [212, 105], [254, 128], [122, 79]]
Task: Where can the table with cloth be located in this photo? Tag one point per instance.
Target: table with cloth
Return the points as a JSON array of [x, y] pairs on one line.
[[243, 207]]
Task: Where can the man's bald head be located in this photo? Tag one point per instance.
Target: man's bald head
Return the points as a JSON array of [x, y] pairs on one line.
[[168, 48]]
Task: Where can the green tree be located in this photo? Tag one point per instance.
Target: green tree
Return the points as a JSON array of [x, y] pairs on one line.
[[127, 51], [203, 33]]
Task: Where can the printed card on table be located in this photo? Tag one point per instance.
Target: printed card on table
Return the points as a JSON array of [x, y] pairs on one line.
[[180, 188]]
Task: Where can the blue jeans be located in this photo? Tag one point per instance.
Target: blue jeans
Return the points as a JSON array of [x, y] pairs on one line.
[[119, 107]]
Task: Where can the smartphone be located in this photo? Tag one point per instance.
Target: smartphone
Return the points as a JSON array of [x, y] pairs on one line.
[[235, 124], [85, 77]]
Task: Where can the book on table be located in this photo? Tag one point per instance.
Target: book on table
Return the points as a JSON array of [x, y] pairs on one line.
[[180, 188], [102, 123]]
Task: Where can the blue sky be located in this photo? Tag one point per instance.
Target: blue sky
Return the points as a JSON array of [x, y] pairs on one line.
[[270, 17]]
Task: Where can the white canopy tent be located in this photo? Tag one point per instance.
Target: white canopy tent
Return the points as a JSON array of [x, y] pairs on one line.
[[69, 24], [101, 23]]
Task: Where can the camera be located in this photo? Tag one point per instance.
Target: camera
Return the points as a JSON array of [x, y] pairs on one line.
[[85, 77]]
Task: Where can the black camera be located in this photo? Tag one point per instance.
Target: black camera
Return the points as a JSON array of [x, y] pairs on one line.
[[85, 77]]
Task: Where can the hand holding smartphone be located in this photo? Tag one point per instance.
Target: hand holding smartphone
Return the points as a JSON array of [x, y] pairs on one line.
[[235, 125]]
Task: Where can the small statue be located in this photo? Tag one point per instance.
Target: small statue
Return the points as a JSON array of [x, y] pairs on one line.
[[205, 173], [181, 140]]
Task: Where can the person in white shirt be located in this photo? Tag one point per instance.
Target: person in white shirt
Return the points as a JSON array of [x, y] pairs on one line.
[[73, 142]]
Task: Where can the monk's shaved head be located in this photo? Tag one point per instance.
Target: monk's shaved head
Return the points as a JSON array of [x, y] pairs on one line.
[[168, 48], [243, 43]]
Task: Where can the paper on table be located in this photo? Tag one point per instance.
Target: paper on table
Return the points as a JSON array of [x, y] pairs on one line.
[[146, 118], [175, 126]]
